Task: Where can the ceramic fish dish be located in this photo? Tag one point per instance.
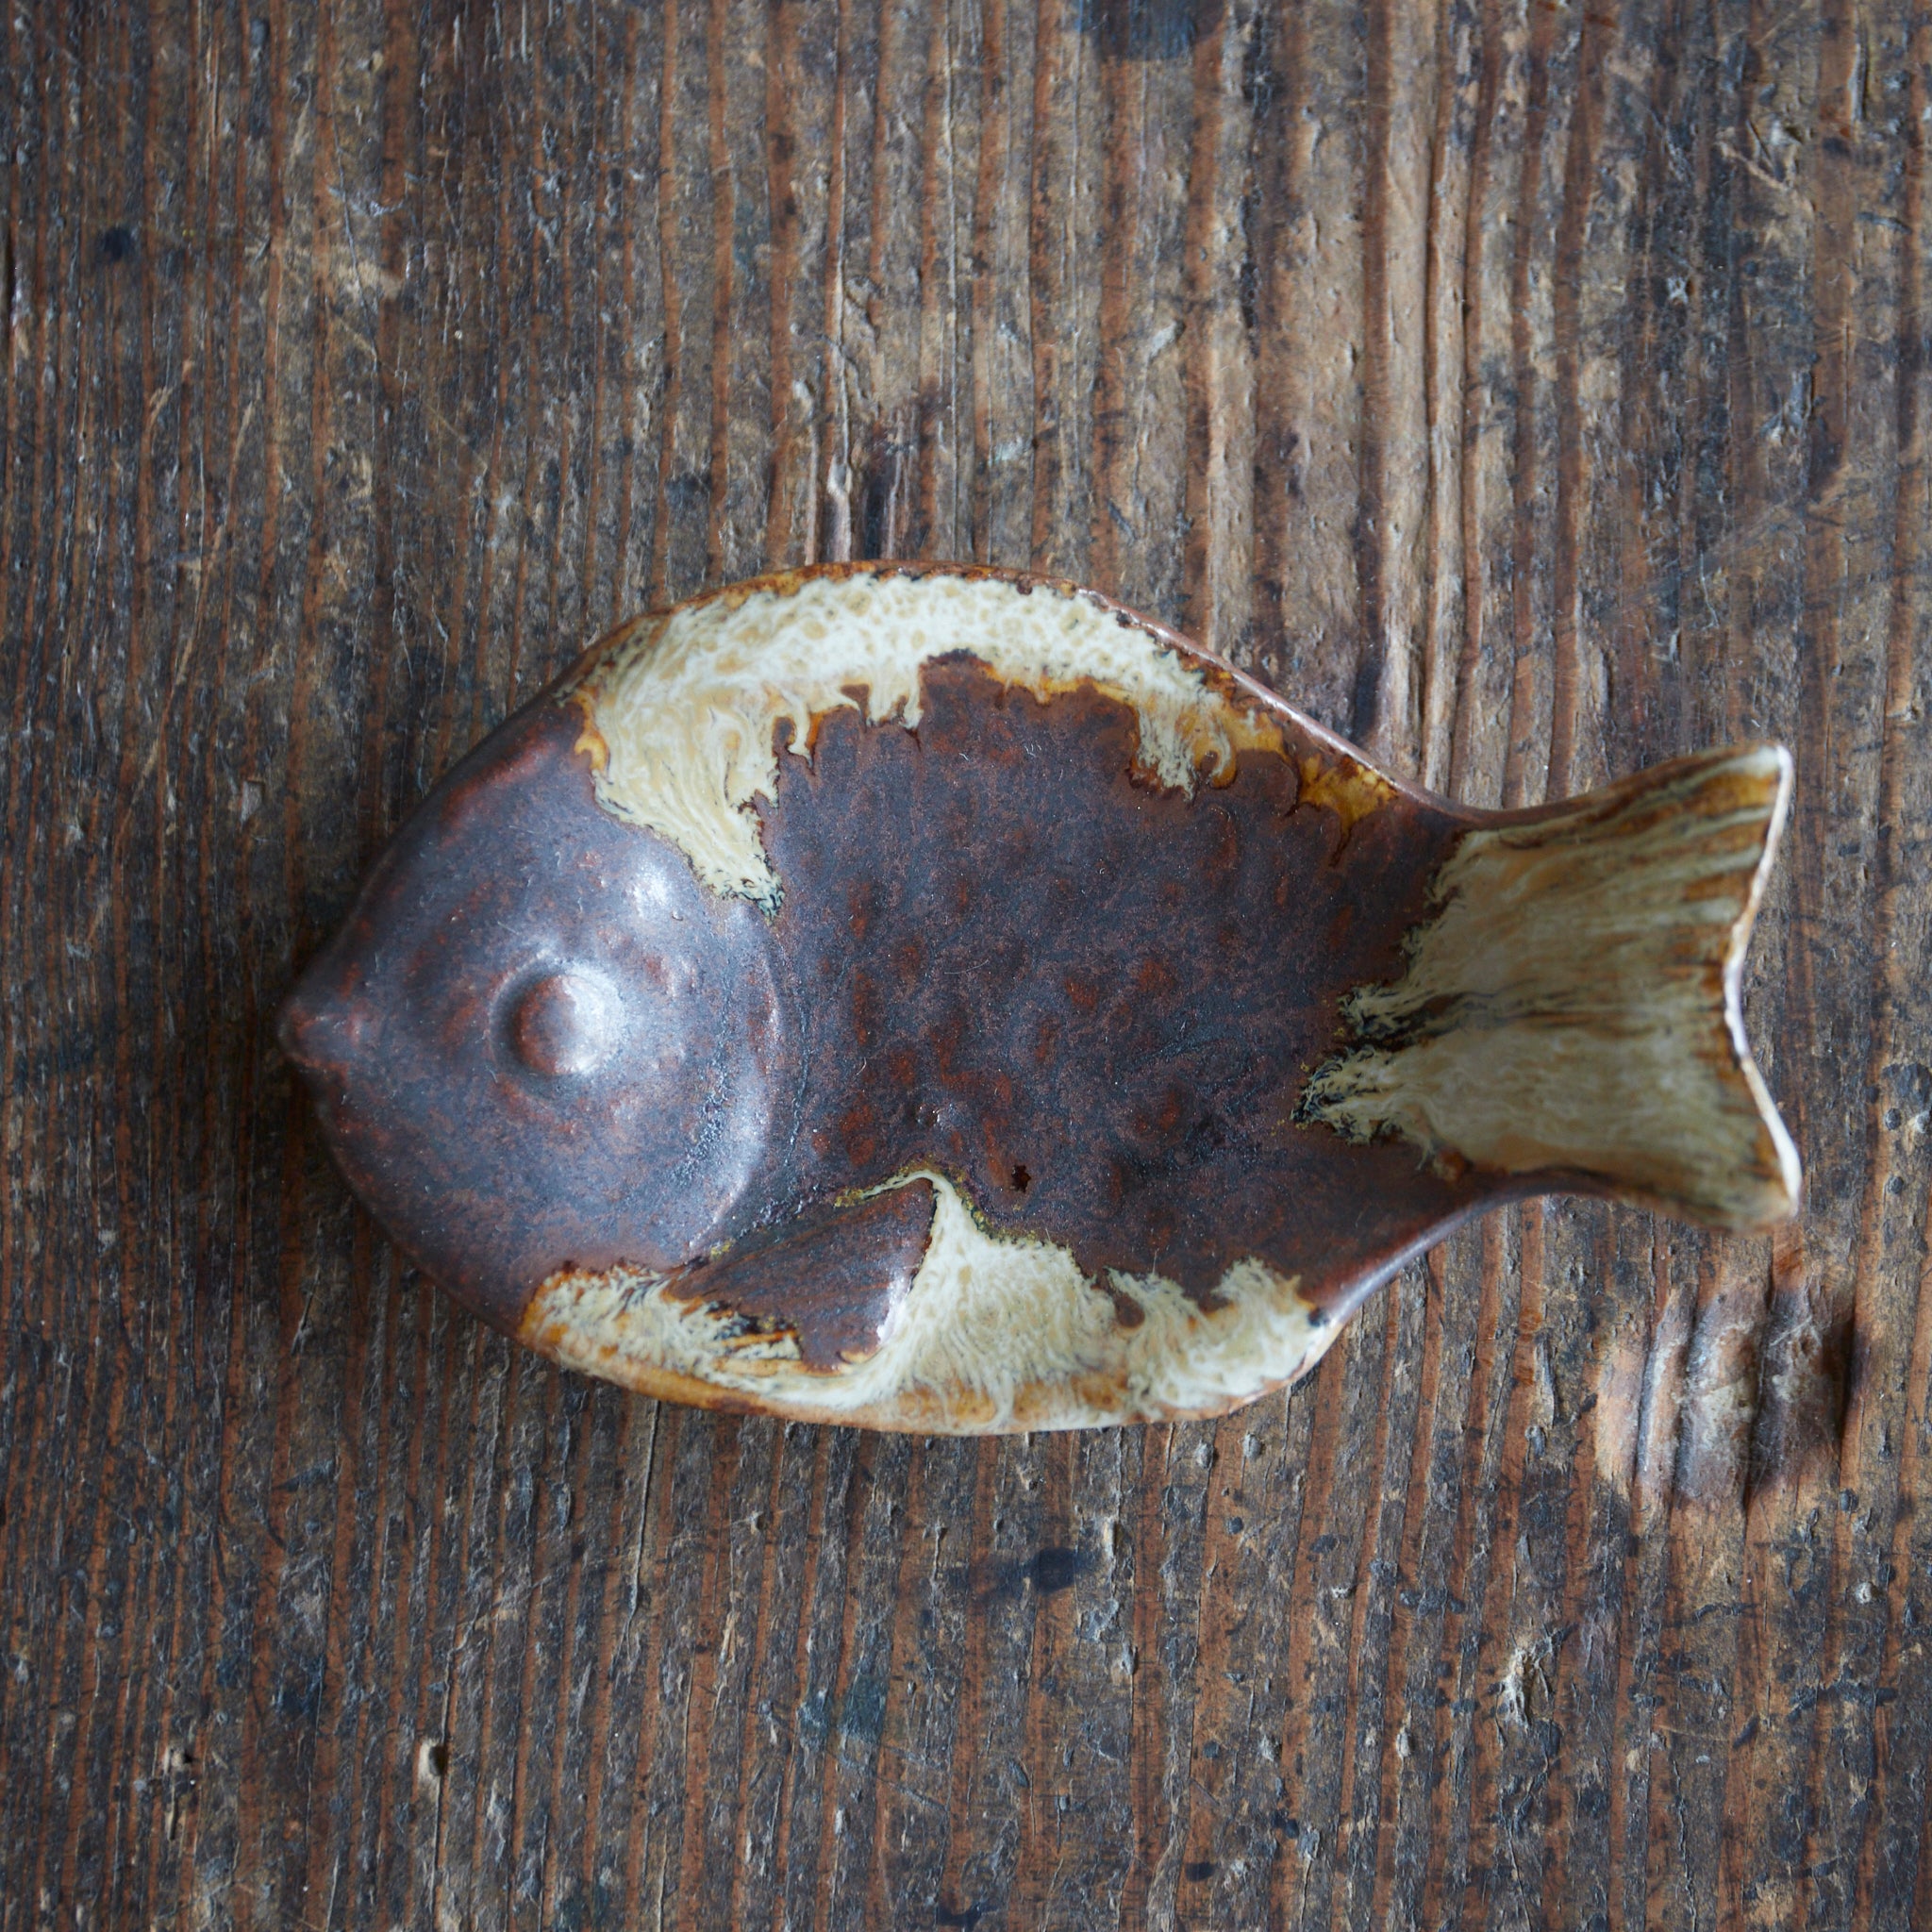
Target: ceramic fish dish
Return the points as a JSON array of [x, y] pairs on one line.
[[925, 998]]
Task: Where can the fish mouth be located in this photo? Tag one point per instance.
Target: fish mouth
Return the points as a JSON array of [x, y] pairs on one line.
[[319, 1028]]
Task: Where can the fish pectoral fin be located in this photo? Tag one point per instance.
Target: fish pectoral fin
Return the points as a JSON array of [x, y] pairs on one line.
[[831, 1279]]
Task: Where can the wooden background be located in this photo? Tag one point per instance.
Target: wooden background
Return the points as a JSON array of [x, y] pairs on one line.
[[1531, 390]]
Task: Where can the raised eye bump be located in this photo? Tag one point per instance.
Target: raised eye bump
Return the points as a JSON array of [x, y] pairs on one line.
[[565, 1023]]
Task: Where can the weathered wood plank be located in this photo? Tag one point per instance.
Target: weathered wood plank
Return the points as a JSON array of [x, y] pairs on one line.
[[1534, 392]]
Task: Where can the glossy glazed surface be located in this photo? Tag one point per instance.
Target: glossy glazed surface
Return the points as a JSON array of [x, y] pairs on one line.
[[944, 1061]]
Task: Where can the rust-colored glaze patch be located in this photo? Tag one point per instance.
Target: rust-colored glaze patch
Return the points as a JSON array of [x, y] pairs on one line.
[[1345, 787], [590, 742]]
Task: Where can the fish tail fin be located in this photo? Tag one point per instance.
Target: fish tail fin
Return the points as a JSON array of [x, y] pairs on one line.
[[1572, 1007]]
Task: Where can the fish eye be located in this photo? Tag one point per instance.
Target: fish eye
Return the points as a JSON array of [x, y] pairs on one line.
[[565, 1023]]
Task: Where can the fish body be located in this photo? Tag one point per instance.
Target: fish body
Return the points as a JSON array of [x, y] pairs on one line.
[[920, 997]]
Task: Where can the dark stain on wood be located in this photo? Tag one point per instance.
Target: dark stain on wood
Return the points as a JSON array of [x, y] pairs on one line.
[[449, 338]]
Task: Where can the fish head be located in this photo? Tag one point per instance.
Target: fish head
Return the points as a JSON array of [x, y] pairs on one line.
[[538, 1043]]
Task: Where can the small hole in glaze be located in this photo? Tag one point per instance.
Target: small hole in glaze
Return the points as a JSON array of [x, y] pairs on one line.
[[1022, 1179]]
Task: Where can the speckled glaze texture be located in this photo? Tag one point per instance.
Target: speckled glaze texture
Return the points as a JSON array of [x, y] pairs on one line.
[[929, 999]]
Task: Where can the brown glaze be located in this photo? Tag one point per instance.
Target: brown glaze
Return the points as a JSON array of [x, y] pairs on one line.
[[537, 1041], [1003, 953], [1092, 1002], [831, 1281]]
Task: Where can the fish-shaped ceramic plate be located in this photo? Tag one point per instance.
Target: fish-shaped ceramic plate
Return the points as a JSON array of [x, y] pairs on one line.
[[926, 998]]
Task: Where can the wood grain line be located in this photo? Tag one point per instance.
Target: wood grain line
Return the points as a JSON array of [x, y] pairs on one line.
[[990, 271], [1063, 208], [889, 1806], [26, 1534], [478, 1757], [326, 1770], [886, 436], [233, 1434], [1144, 1717], [793, 469], [668, 201], [816, 1523], [1277, 69], [1370, 1657], [1850, 405], [723, 217], [841, 1667], [1578, 196], [1898, 1752], [1406, 1621], [111, 1583], [701, 1696], [525, 511], [564, 1799], [747, 1825], [258, 1714], [1386, 524], [1525, 777], [1588, 1602], [1516, 1652], [154, 1743], [958, 1817], [1492, 1390], [936, 526], [831, 517], [1217, 1632], [17, 453], [1446, 1395], [1317, 1483], [1641, 1580], [1217, 379], [1447, 292], [659, 1465]]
